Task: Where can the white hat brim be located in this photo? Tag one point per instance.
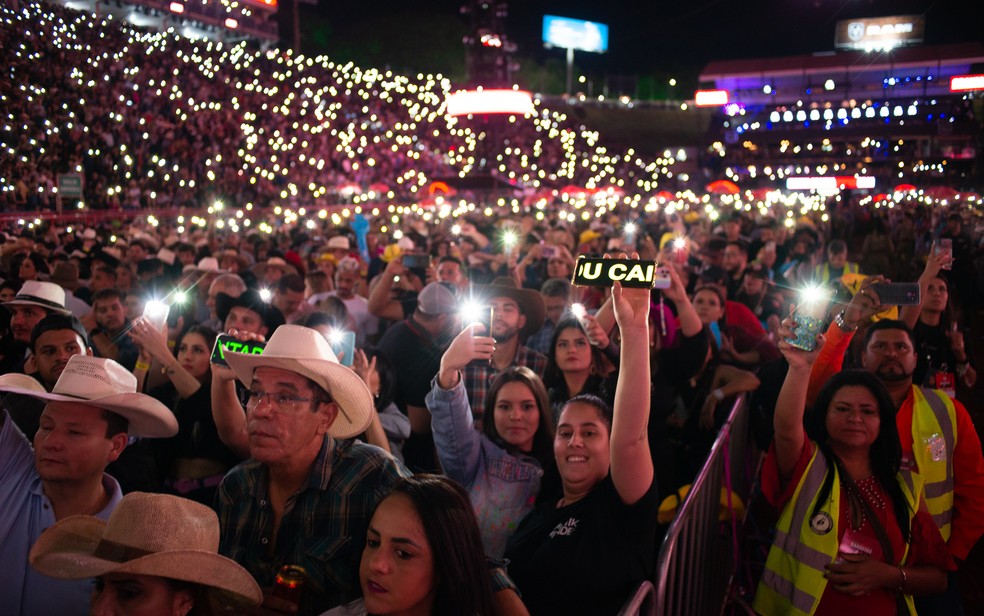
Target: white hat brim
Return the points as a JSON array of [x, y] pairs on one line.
[[346, 388], [27, 302], [146, 416]]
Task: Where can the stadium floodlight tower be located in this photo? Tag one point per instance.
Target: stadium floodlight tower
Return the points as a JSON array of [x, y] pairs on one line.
[[571, 34], [488, 51]]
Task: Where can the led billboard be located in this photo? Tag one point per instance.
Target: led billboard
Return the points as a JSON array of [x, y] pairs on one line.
[[575, 34], [879, 33]]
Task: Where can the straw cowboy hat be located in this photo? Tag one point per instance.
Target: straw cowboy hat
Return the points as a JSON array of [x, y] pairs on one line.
[[306, 352], [273, 262], [529, 300], [238, 257], [104, 384], [147, 534], [47, 295], [15, 380]]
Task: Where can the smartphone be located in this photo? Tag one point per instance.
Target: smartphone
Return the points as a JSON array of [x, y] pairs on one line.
[[944, 246], [417, 263], [484, 317], [600, 272], [343, 345], [662, 279], [811, 312], [898, 293], [225, 342], [156, 313], [548, 251]]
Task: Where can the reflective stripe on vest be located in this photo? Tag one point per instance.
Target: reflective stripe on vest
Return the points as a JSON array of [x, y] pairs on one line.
[[793, 580], [934, 440]]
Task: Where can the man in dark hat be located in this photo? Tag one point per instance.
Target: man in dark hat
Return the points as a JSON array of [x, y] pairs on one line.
[[247, 313], [516, 313]]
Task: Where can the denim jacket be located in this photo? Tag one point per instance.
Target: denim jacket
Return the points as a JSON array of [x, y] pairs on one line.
[[502, 486]]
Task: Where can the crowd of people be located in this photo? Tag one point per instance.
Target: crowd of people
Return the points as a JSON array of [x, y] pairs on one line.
[[461, 356], [153, 120], [414, 410]]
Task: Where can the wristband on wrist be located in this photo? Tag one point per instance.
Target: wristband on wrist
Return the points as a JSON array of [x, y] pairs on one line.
[[839, 320], [142, 365]]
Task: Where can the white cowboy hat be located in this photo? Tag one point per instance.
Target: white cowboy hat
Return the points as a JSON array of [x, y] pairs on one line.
[[147, 534], [209, 265], [16, 380], [340, 242], [305, 351], [104, 384], [47, 295]]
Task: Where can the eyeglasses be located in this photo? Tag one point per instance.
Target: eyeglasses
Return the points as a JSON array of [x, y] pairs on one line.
[[279, 401]]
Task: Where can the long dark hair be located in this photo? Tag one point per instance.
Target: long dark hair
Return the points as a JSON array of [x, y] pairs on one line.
[[543, 437], [448, 518], [205, 332], [387, 377], [885, 453], [552, 375]]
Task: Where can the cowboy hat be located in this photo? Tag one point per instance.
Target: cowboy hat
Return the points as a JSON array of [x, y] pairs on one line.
[[66, 275], [16, 380], [232, 253], [273, 262], [530, 302], [104, 384], [339, 242], [147, 534], [305, 351], [209, 265], [250, 299], [47, 295]]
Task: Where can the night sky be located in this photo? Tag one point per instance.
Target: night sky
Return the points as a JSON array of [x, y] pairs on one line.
[[647, 36]]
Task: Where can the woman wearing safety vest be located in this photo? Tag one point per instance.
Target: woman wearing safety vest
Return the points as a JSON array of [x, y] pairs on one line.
[[854, 535]]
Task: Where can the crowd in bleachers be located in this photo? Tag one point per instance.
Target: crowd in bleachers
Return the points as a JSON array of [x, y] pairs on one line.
[[150, 119], [440, 422]]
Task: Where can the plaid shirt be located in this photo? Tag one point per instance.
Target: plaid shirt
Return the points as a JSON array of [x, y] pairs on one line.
[[540, 341], [323, 528], [479, 376]]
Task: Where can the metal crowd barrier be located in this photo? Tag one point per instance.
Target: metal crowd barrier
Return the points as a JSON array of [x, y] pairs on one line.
[[699, 553]]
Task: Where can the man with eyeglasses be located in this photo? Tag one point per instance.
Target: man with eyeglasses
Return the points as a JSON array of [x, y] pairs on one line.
[[306, 495]]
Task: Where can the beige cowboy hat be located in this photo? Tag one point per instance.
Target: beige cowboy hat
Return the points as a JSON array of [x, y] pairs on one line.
[[147, 534], [104, 384], [273, 262], [238, 257], [305, 351], [47, 295]]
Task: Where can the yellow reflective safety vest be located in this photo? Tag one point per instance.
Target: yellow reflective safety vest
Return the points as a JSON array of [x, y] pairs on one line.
[[825, 274], [934, 439], [793, 580]]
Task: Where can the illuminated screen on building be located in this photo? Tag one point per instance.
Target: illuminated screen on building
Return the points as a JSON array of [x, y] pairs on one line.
[[879, 33]]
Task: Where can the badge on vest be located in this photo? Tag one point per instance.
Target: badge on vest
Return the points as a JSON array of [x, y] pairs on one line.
[[935, 446], [821, 523]]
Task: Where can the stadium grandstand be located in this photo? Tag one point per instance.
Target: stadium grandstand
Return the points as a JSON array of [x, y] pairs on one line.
[[887, 114]]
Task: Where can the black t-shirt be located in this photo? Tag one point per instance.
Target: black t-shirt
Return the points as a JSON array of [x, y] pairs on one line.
[[933, 353], [416, 358], [587, 557]]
